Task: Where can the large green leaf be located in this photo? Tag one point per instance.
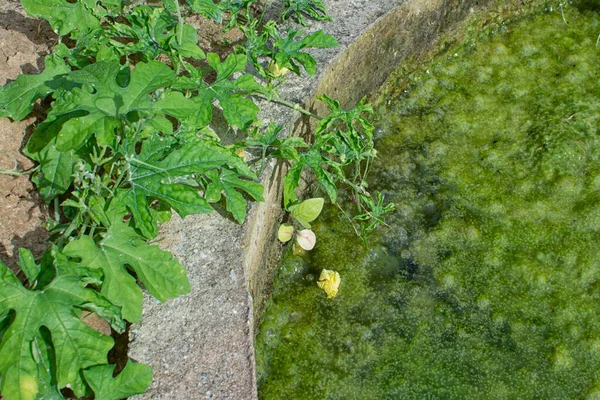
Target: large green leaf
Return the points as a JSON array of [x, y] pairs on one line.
[[105, 99], [57, 308], [121, 248], [174, 178], [134, 379], [65, 16], [17, 98]]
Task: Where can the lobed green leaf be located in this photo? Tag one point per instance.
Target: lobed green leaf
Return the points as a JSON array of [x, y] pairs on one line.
[[121, 247], [133, 379], [17, 98], [57, 308]]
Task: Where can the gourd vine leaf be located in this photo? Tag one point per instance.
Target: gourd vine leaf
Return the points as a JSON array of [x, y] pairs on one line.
[[174, 178], [134, 379], [155, 175], [346, 133], [327, 172], [66, 16], [28, 265], [227, 182], [57, 308], [271, 144], [121, 247], [297, 9], [207, 8], [54, 176], [192, 113], [288, 50], [375, 210], [17, 98], [104, 100], [150, 29], [238, 110]]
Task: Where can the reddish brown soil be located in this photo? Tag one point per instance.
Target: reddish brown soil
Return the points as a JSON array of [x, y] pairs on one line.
[[23, 43]]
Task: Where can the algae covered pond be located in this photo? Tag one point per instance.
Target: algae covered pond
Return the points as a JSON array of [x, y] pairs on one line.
[[486, 285]]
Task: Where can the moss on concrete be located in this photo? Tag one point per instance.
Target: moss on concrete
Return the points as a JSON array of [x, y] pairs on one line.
[[487, 283]]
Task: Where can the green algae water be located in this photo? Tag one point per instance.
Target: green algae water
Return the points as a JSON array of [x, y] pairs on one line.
[[486, 285]]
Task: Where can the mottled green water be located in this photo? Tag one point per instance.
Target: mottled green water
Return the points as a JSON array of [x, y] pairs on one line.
[[487, 283]]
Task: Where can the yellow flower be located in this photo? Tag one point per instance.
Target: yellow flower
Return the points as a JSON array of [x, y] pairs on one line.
[[276, 70], [329, 281]]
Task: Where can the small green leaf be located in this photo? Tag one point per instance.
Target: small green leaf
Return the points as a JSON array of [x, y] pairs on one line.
[[227, 182], [290, 182], [306, 239], [134, 379], [65, 16], [55, 172], [289, 49], [28, 265], [308, 211], [188, 47], [297, 9], [238, 109], [207, 8], [285, 233]]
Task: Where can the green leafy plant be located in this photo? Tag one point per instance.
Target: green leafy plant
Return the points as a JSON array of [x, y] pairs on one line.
[[285, 51], [127, 138], [298, 9]]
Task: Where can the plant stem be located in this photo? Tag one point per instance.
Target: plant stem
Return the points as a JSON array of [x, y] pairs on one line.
[[179, 24], [294, 106], [179, 32]]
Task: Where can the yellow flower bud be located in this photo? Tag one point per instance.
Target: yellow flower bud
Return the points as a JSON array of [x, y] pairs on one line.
[[276, 70]]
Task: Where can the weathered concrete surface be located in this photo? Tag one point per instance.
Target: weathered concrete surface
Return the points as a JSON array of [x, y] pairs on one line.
[[201, 345]]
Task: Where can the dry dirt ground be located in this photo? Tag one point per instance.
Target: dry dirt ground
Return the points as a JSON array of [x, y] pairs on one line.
[[23, 44]]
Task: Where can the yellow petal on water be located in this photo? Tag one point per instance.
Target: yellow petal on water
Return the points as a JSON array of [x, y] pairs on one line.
[[329, 281]]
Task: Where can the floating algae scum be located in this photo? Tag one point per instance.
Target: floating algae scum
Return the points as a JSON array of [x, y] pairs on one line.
[[486, 284]]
